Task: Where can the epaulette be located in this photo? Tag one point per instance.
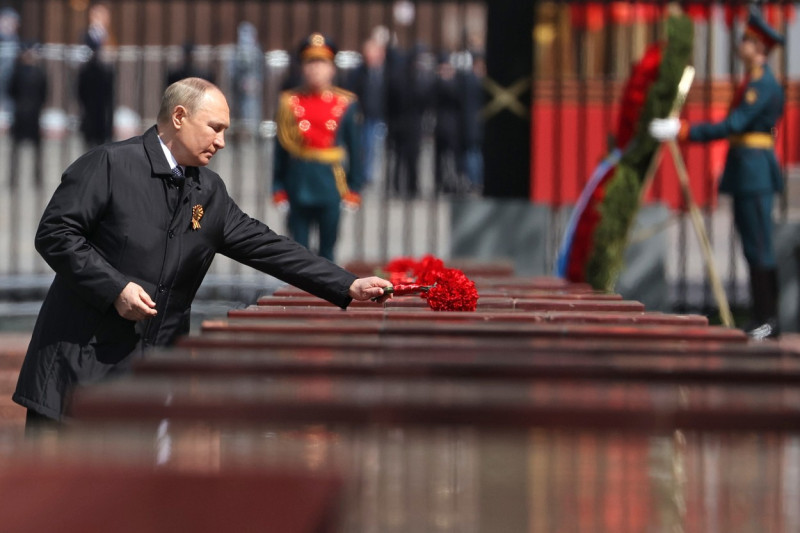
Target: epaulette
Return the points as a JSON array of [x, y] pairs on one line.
[[338, 91]]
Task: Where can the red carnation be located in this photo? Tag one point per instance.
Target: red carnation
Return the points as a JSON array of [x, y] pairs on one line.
[[643, 75], [427, 269], [453, 291], [401, 264]]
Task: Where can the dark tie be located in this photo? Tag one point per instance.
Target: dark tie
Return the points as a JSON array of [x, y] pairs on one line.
[[177, 177]]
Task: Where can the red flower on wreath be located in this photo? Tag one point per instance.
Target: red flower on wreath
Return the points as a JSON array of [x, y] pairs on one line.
[[642, 77], [453, 291]]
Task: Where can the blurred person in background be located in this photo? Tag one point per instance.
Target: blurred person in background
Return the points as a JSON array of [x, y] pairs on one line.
[[448, 129], [248, 70], [411, 87], [318, 161], [9, 49], [28, 90], [98, 31], [473, 98], [370, 87], [187, 67], [96, 97]]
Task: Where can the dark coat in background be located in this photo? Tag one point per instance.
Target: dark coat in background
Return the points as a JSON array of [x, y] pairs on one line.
[[410, 93], [96, 96], [109, 223], [28, 89]]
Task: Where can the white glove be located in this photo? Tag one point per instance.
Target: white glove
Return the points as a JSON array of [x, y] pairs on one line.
[[664, 129], [349, 207]]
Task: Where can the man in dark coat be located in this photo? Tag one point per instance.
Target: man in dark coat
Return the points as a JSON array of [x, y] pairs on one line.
[[96, 96], [410, 93], [449, 126], [28, 89], [130, 232], [752, 175]]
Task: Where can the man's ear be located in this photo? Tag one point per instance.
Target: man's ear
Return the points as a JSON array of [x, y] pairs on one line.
[[178, 114]]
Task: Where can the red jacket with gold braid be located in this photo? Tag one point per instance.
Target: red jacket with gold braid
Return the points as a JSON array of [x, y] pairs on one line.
[[318, 153]]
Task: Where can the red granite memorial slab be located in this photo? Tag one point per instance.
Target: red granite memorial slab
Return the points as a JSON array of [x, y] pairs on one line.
[[528, 304], [460, 344], [754, 369], [86, 497], [490, 292], [353, 327], [470, 479], [534, 403], [635, 317]]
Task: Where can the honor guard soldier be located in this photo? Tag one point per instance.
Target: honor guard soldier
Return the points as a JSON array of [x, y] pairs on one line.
[[318, 166], [752, 175]]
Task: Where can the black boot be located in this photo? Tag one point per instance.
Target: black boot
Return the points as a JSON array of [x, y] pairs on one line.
[[764, 287]]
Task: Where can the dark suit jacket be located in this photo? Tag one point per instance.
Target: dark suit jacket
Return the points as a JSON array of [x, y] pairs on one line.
[[108, 223]]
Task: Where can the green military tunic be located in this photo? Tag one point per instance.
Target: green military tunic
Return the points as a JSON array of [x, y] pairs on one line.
[[752, 175]]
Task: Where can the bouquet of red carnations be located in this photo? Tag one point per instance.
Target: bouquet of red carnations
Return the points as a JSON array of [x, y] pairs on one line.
[[445, 289]]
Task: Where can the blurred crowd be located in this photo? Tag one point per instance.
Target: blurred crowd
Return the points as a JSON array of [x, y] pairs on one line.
[[407, 95]]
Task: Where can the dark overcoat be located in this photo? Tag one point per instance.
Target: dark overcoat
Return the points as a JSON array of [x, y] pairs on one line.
[[28, 88], [109, 223], [96, 96]]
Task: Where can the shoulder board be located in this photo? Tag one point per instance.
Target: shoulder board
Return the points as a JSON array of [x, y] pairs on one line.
[[338, 91]]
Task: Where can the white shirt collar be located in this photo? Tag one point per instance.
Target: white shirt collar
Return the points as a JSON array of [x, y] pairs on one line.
[[170, 158]]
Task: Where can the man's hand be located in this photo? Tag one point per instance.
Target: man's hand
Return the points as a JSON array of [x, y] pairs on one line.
[[664, 129], [371, 287], [133, 303]]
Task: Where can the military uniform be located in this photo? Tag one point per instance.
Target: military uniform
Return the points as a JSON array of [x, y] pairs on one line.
[[752, 175], [318, 161]]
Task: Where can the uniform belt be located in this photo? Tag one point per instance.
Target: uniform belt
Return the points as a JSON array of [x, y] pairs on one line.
[[754, 139]]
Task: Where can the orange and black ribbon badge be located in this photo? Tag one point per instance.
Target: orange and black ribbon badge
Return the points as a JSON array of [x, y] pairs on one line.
[[197, 214]]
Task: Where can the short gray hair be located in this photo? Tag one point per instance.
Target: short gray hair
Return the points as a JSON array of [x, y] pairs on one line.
[[186, 92]]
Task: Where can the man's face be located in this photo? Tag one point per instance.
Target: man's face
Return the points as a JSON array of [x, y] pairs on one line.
[[750, 47], [199, 135], [318, 74]]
